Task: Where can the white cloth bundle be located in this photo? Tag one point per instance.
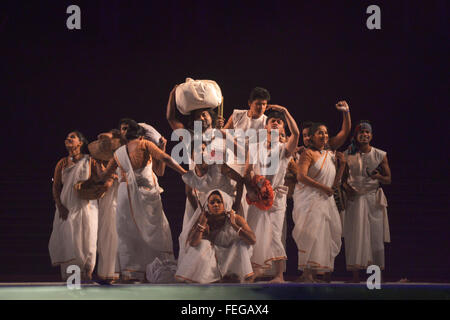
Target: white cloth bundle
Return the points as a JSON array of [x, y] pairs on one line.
[[161, 271], [197, 94], [151, 133]]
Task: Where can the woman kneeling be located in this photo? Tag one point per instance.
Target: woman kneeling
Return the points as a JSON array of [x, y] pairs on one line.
[[219, 244]]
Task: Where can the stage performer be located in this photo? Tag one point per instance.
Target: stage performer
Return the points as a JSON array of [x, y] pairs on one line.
[[142, 226], [366, 226], [267, 223], [74, 236], [317, 230], [219, 244]]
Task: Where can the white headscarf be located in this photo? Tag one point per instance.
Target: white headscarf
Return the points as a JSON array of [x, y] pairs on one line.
[[227, 200]]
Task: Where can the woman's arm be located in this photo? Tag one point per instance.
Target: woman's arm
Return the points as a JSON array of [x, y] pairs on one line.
[[337, 141], [197, 231], [57, 188], [242, 228]]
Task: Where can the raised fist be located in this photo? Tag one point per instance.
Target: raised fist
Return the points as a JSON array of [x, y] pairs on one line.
[[342, 106]]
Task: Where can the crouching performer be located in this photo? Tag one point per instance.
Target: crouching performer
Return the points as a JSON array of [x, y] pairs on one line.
[[219, 244]]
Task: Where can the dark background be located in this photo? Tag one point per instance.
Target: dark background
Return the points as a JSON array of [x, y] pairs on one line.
[[129, 54]]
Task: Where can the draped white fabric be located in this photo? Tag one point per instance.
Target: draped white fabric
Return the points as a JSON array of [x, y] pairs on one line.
[[317, 231], [142, 226], [366, 221], [74, 240], [107, 233], [268, 225], [210, 261]]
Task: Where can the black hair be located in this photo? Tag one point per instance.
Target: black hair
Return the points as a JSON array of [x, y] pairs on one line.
[[191, 117], [307, 125], [84, 147], [115, 133], [125, 121], [314, 127], [134, 130], [259, 93], [275, 114]]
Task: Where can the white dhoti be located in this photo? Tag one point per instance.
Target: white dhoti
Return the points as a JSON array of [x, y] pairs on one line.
[[142, 227], [366, 230], [74, 241], [268, 229], [366, 221], [317, 231], [268, 225]]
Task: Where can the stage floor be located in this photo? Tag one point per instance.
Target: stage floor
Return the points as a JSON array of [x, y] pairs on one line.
[[257, 291]]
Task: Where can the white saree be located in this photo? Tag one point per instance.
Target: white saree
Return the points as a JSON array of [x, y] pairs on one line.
[[142, 227], [210, 261], [74, 241], [317, 231]]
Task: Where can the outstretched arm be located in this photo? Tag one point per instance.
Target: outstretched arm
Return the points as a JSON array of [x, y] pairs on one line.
[[337, 141], [160, 155]]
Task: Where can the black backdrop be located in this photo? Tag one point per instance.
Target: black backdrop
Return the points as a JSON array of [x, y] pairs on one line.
[[129, 54]]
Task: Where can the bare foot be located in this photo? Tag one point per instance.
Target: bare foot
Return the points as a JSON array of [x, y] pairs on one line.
[[278, 279], [257, 274]]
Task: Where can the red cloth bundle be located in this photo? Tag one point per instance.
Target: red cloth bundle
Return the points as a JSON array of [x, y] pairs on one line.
[[264, 193]]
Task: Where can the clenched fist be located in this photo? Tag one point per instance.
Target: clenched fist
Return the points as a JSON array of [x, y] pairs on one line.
[[342, 106]]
